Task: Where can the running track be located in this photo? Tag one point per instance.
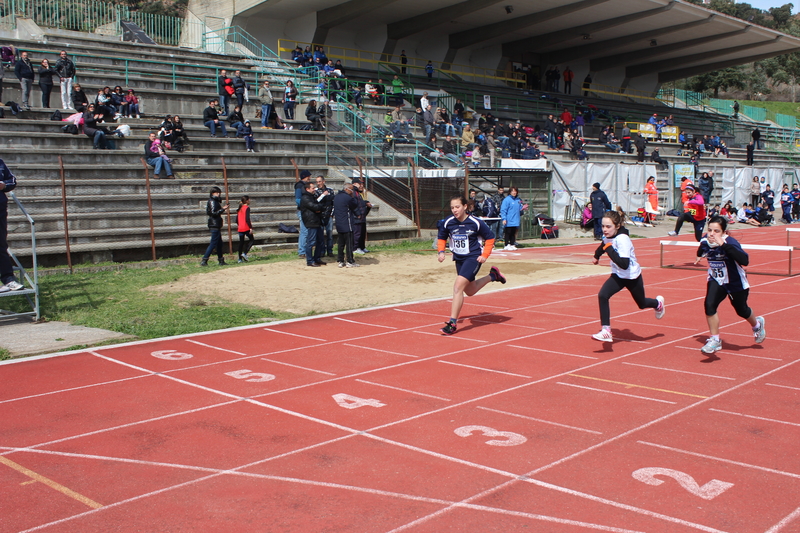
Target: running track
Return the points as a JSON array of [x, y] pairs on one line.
[[370, 421]]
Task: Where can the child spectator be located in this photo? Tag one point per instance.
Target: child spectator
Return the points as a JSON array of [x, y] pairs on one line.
[[132, 101], [246, 131], [245, 228]]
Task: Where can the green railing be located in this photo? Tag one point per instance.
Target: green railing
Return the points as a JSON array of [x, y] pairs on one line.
[[785, 121], [759, 114], [236, 41], [94, 16]]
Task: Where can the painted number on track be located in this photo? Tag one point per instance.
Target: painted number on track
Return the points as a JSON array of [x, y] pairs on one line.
[[354, 402], [171, 355], [511, 439], [252, 377], [709, 491]]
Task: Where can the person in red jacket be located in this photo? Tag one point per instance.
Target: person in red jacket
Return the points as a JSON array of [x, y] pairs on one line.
[[245, 228], [694, 211]]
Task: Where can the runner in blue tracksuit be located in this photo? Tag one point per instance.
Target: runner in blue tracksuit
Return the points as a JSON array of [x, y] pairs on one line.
[[726, 279], [471, 242]]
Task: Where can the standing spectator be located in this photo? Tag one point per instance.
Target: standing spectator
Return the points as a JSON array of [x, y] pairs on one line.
[[46, 73], [795, 203], [735, 107], [587, 83], [325, 197], [289, 100], [403, 61], [510, 213], [24, 72], [640, 143], [239, 87], [66, 71], [364, 207], [428, 121], [626, 139], [245, 228], [458, 111], [429, 70], [214, 210], [311, 213], [211, 119], [79, 99], [7, 184], [223, 82], [397, 90], [705, 186], [550, 129], [750, 150], [757, 138], [299, 187], [265, 95], [568, 77], [768, 197], [246, 132], [344, 208], [600, 205], [755, 191], [153, 159]]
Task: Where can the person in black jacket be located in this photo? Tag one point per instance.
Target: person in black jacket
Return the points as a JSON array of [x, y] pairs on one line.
[[24, 72], [239, 86], [214, 210], [705, 186], [156, 160], [360, 229], [7, 184], [313, 116], [46, 73], [92, 129], [640, 143], [600, 205], [236, 119], [325, 196], [66, 71], [79, 99], [211, 119], [311, 211], [344, 212]]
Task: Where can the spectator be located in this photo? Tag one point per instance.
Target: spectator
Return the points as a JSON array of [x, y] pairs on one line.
[[211, 119], [24, 72], [313, 116], [397, 90], [442, 120], [587, 83], [786, 204], [600, 205], [214, 210], [640, 144], [568, 77], [245, 131], [626, 139], [298, 57], [428, 122], [607, 139], [66, 71], [132, 101], [429, 70], [795, 192], [325, 197], [655, 157], [223, 84], [768, 198], [380, 93], [289, 100], [705, 186], [239, 88], [91, 128], [756, 137], [344, 209], [566, 117], [403, 61], [104, 104], [7, 184], [265, 95], [750, 150], [755, 191], [458, 111], [79, 100], [2, 75], [299, 187], [154, 160], [46, 73], [236, 119], [399, 124], [360, 229], [735, 107], [311, 213], [450, 151], [550, 129], [467, 139], [656, 123]]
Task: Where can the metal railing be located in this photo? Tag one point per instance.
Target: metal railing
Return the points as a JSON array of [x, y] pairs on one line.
[[31, 282], [369, 60], [610, 92]]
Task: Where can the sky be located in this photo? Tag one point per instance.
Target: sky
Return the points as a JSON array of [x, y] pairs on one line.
[[766, 4]]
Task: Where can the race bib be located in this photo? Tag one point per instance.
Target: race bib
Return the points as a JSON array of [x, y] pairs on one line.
[[459, 244], [692, 211], [718, 271]]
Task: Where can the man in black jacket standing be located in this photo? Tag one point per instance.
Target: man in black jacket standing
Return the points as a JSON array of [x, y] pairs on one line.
[[66, 71], [24, 72], [600, 205], [214, 210], [7, 184], [360, 229], [325, 196], [344, 212], [311, 213]]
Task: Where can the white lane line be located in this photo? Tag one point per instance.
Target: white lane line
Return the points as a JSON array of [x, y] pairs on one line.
[[616, 319], [613, 392], [731, 353], [681, 371], [417, 312], [782, 386], [381, 350], [770, 338], [551, 351], [214, 347], [362, 323], [478, 319], [785, 522], [297, 366], [403, 390], [75, 388], [441, 335], [615, 338], [306, 337], [486, 369], [720, 459], [540, 420], [756, 417]]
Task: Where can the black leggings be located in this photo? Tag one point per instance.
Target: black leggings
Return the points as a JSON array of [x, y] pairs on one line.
[[510, 235], [698, 225], [716, 293], [613, 285], [344, 243], [245, 247]]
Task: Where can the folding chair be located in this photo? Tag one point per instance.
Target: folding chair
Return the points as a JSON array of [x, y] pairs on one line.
[[542, 223]]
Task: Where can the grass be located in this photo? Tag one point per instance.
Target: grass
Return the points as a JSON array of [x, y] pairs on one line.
[[4, 354], [784, 108]]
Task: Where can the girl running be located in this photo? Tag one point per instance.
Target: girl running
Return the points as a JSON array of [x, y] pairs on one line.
[[625, 273], [245, 228], [471, 242], [726, 279]]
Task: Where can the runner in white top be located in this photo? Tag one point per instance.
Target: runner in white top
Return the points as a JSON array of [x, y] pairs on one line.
[[625, 273]]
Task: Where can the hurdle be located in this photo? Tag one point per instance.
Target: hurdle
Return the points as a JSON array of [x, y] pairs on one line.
[[789, 232], [745, 247]]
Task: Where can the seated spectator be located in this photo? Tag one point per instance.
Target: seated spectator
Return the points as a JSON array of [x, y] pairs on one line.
[[92, 129], [118, 98], [340, 68], [468, 139], [587, 221], [313, 116], [179, 138], [450, 150], [531, 152], [155, 160], [211, 119], [103, 104], [442, 120], [246, 132], [298, 57], [236, 119], [132, 101], [577, 149], [606, 138], [399, 122], [655, 157], [714, 211], [165, 130], [79, 100]]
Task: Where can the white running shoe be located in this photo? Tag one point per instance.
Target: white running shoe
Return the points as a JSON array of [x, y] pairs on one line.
[[672, 233], [359, 251], [711, 346], [603, 336], [761, 333], [512, 247], [353, 265], [15, 286], [507, 247], [3, 288], [662, 308]]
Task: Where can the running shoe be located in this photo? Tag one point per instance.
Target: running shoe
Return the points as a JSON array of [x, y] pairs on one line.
[[244, 256], [496, 275], [359, 251], [512, 247], [341, 264], [672, 233], [353, 265], [3, 288], [507, 247], [711, 346], [240, 260], [449, 328], [761, 333], [603, 336], [661, 309]]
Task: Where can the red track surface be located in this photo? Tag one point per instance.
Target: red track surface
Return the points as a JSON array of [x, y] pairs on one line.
[[518, 422]]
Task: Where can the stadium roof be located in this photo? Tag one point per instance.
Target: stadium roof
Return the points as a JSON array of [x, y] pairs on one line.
[[670, 39]]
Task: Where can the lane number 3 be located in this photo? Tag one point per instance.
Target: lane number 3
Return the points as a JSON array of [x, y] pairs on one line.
[[709, 491], [509, 438]]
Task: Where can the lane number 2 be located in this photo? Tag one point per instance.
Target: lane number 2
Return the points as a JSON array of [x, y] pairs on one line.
[[252, 377], [709, 491], [510, 439], [354, 402], [171, 355]]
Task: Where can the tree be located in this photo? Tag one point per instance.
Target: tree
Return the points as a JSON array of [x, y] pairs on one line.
[[732, 77]]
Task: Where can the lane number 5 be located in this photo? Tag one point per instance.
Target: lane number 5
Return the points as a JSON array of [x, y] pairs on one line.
[[709, 491]]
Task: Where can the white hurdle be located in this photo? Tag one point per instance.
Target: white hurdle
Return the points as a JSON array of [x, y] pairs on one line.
[[745, 247], [789, 232]]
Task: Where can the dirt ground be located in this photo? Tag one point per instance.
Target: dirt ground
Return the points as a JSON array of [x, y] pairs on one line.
[[383, 278]]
